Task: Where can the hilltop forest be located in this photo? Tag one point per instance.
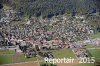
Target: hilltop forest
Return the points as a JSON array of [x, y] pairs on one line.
[[49, 8]]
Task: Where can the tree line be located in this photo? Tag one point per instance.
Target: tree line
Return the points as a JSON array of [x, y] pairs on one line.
[[49, 8]]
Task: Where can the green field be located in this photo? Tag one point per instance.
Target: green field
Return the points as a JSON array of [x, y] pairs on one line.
[[6, 59], [67, 53], [95, 53], [7, 51], [21, 58], [85, 64], [6, 56], [97, 35], [92, 46], [89, 46], [63, 53]]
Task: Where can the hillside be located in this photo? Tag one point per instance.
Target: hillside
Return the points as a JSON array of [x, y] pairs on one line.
[[49, 8]]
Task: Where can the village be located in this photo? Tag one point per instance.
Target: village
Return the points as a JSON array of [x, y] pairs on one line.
[[37, 37]]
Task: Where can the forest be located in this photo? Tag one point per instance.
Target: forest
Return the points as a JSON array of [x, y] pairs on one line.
[[49, 8]]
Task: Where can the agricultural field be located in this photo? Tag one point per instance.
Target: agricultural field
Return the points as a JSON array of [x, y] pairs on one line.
[[97, 35], [67, 53], [7, 52], [16, 58], [84, 64], [95, 53], [7, 59], [92, 46], [9, 56], [6, 56]]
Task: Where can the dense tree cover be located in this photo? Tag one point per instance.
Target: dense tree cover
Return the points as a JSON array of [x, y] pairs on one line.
[[97, 3], [49, 8], [1, 6]]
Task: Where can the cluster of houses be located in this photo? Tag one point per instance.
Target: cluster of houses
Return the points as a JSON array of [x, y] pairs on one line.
[[80, 50], [57, 32], [95, 41], [79, 47]]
